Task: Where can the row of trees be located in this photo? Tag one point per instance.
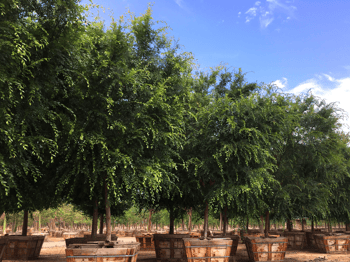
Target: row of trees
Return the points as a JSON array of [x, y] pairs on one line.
[[106, 118]]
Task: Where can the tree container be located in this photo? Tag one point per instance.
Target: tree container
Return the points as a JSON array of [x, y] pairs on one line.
[[146, 241], [3, 244], [23, 247], [170, 247], [67, 235], [235, 240], [207, 250], [76, 240], [100, 237], [101, 253], [296, 240], [266, 249], [332, 242], [310, 240]]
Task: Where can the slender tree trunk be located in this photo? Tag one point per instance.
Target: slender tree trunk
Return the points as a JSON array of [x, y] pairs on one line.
[[149, 220], [302, 225], [4, 225], [261, 224], [225, 221], [347, 228], [108, 216], [171, 226], [94, 219], [39, 226], [267, 223], [312, 225], [329, 226], [101, 224], [190, 220], [220, 220], [247, 226], [182, 224], [25, 223], [206, 221]]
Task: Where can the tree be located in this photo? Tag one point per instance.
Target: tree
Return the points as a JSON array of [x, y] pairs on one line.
[[128, 110], [34, 73]]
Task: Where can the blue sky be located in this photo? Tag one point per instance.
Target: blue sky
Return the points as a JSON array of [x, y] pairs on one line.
[[298, 45]]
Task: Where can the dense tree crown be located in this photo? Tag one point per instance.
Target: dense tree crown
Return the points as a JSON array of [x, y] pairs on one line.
[[119, 116]]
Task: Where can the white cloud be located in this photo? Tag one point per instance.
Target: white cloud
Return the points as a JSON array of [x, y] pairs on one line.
[[269, 10], [347, 67], [239, 14], [281, 83], [330, 89], [179, 3]]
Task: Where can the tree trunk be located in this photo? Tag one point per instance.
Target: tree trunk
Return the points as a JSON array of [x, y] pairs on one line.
[[247, 226], [108, 216], [4, 225], [289, 225], [25, 223], [303, 225], [312, 225], [225, 221], [329, 226], [347, 228], [206, 221], [94, 219], [171, 226], [182, 224], [149, 220], [190, 220], [220, 220], [267, 223], [101, 224], [39, 226], [261, 224]]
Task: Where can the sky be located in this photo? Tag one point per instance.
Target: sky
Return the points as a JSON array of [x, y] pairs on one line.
[[298, 45]]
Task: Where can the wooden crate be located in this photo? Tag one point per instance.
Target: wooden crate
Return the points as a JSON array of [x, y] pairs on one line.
[[216, 249], [146, 241], [101, 253], [77, 240], [235, 240], [170, 247], [3, 244], [266, 249], [296, 240], [23, 247], [99, 237], [332, 243], [67, 235]]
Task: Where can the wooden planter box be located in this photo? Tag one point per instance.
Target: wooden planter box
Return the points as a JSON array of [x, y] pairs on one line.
[[67, 235], [99, 237], [77, 240], [235, 240], [170, 248], [296, 240], [332, 243], [217, 250], [310, 240], [3, 244], [266, 249], [100, 253], [23, 247], [194, 235], [146, 241]]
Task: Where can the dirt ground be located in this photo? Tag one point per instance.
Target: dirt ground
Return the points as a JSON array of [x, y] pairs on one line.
[[58, 254]]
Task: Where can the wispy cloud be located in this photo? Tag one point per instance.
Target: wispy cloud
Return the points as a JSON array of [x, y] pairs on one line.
[[179, 3], [239, 14], [267, 11], [330, 89]]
